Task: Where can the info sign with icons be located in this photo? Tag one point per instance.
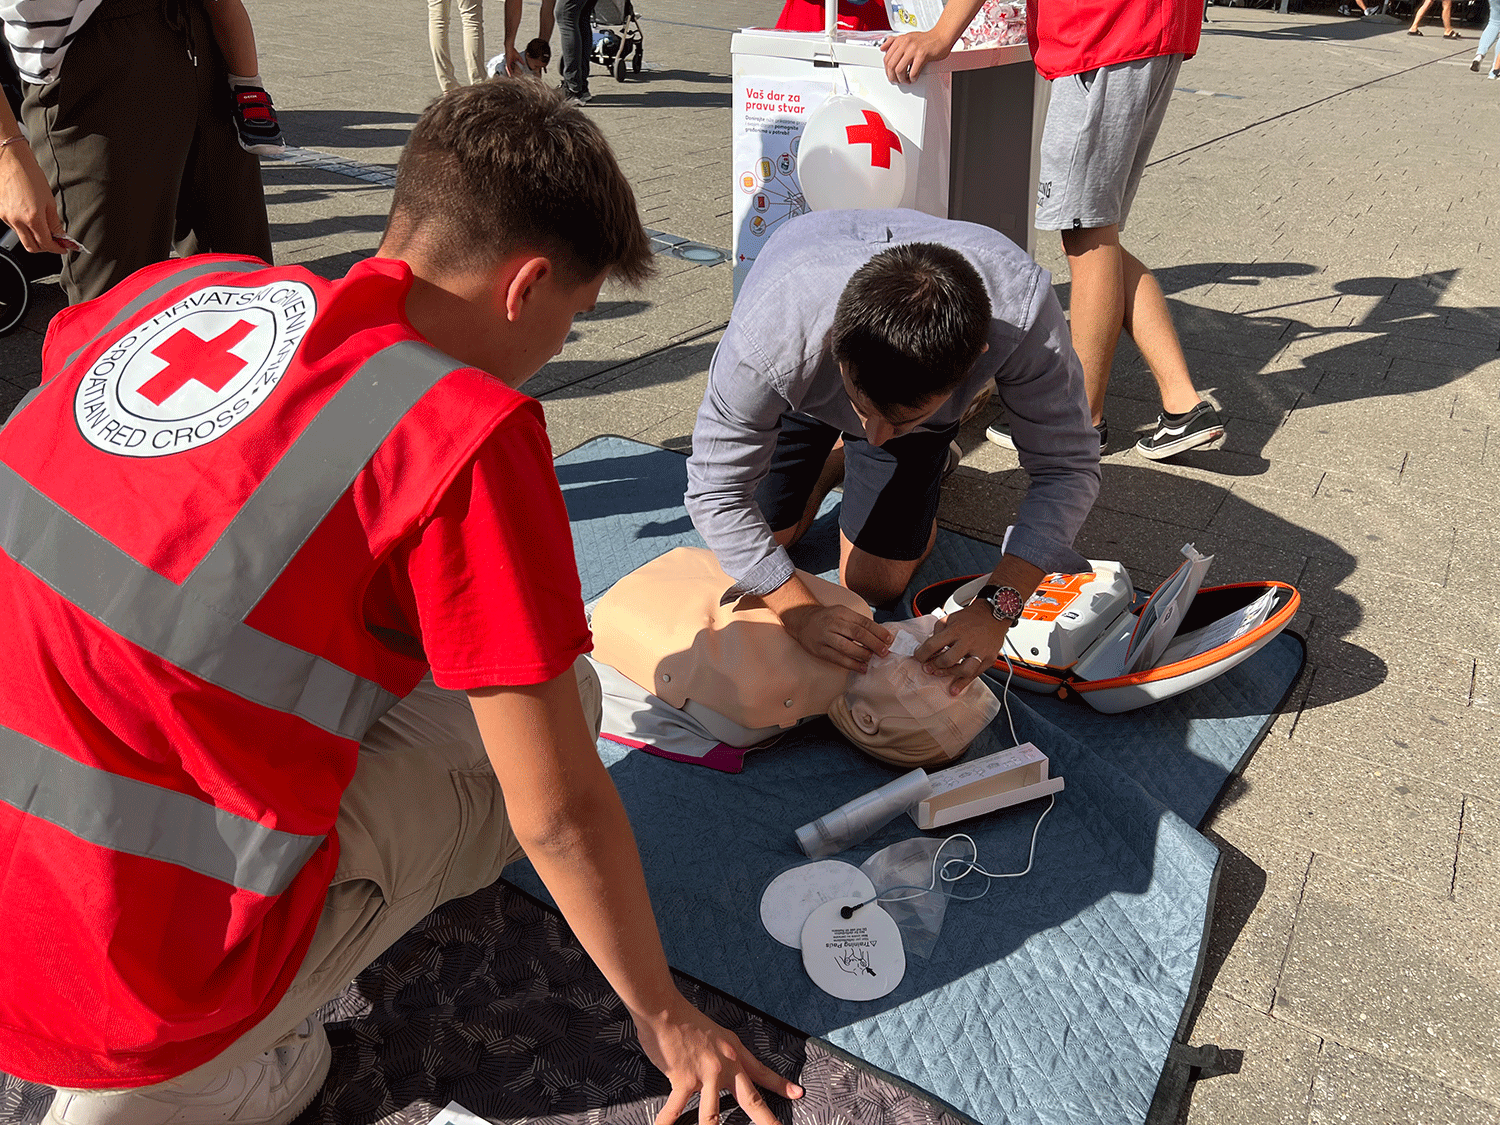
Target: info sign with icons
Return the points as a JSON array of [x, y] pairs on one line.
[[772, 115]]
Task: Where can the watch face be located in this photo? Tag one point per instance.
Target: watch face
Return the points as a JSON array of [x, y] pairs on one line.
[[1007, 602]]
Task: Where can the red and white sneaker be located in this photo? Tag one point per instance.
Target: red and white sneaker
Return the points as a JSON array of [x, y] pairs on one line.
[[255, 120]]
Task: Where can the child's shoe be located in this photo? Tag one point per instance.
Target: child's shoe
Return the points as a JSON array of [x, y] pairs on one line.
[[255, 120]]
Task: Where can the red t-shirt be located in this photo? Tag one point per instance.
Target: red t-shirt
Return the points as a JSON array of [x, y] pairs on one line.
[[488, 586], [854, 15], [1074, 36]]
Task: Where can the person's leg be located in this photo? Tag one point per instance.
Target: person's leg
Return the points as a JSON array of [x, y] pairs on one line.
[[221, 206], [235, 35], [1416, 21], [116, 184], [437, 39], [1448, 20], [1112, 290], [472, 14], [1149, 323], [577, 43], [1488, 36], [422, 822], [805, 465], [1096, 305], [888, 518]]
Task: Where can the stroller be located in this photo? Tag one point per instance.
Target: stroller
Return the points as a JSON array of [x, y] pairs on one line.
[[617, 38], [18, 266]]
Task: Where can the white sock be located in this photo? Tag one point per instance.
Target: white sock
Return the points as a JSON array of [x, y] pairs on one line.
[[238, 80]]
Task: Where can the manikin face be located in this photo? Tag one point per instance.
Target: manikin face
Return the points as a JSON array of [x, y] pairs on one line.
[[900, 713], [882, 427]]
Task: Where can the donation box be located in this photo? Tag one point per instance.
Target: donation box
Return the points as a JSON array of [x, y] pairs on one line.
[[960, 142]]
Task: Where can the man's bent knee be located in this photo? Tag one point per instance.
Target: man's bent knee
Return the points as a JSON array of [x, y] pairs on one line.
[[590, 694], [877, 580]]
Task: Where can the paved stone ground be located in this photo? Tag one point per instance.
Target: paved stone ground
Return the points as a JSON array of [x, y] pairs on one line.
[[1321, 212]]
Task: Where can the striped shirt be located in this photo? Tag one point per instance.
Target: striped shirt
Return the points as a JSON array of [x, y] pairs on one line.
[[38, 33]]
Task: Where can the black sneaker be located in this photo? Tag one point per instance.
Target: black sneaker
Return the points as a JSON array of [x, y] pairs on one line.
[[255, 119], [1476, 64], [999, 433], [1199, 426]]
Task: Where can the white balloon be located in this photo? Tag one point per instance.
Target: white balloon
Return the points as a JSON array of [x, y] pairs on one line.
[[850, 156]]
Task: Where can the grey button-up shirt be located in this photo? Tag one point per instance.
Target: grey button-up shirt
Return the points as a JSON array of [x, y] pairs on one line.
[[776, 358]]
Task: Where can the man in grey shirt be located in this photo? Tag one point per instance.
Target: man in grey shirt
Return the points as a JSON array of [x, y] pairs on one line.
[[880, 327]]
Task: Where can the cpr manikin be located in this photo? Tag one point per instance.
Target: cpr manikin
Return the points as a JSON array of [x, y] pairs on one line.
[[736, 673]]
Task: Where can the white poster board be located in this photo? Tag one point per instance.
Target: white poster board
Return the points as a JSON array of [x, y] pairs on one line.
[[769, 115]]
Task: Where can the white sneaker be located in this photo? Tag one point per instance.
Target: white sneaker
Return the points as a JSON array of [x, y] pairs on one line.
[[268, 1090]]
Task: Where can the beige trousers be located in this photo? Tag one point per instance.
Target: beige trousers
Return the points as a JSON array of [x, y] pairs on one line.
[[422, 822], [471, 12]]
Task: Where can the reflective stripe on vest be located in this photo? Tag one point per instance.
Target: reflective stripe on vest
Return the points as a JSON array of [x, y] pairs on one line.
[[199, 626], [131, 816]]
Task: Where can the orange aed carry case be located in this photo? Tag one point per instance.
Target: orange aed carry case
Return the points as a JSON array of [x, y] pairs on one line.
[[1090, 634]]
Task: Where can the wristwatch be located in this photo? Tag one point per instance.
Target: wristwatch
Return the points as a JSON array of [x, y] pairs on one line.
[[1005, 602]]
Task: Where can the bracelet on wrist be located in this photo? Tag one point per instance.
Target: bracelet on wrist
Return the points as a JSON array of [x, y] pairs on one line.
[[12, 140]]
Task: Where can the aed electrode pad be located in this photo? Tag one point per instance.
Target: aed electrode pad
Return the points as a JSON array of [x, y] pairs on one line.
[[794, 894], [855, 958]]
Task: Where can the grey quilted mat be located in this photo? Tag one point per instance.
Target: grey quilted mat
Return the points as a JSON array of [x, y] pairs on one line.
[[1055, 998]]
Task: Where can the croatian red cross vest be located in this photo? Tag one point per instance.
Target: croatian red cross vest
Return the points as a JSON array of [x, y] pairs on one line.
[[218, 458], [1074, 36]]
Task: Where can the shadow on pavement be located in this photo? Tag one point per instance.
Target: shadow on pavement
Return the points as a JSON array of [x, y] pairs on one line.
[[1262, 362], [346, 128]]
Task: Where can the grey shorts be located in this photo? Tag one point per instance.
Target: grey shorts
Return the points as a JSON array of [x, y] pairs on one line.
[[1100, 127]]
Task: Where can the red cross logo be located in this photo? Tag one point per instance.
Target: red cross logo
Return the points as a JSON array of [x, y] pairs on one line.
[[189, 357], [874, 133]]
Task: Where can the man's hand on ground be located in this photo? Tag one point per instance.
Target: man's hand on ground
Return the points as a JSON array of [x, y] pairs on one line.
[[837, 634], [700, 1057], [966, 644]]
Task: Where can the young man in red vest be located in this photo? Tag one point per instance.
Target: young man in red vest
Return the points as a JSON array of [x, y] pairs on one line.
[[294, 622], [1112, 68]]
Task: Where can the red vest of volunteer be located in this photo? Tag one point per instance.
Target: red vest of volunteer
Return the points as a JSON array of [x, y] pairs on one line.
[[853, 15], [1074, 36], [220, 454]]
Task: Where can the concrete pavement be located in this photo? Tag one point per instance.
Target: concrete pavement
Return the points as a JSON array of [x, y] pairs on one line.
[[1322, 214]]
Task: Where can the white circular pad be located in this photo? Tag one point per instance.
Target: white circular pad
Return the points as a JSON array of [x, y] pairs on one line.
[[854, 958], [790, 897]]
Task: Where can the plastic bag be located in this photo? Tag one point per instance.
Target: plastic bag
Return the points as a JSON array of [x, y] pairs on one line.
[[899, 872]]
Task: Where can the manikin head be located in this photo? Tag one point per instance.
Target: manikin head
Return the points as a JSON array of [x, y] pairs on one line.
[[663, 626], [902, 715]]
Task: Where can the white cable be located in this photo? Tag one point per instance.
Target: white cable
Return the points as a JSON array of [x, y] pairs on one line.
[[971, 867]]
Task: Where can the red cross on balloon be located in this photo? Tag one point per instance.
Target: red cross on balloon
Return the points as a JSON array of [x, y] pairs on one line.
[[875, 134]]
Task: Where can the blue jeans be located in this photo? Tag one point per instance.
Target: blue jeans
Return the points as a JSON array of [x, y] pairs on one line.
[[577, 43], [1490, 33]]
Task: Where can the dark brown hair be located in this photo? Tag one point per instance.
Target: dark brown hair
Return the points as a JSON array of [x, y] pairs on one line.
[[510, 164], [910, 324]]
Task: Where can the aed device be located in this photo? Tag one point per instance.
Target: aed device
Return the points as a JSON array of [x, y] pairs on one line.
[[1076, 630]]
